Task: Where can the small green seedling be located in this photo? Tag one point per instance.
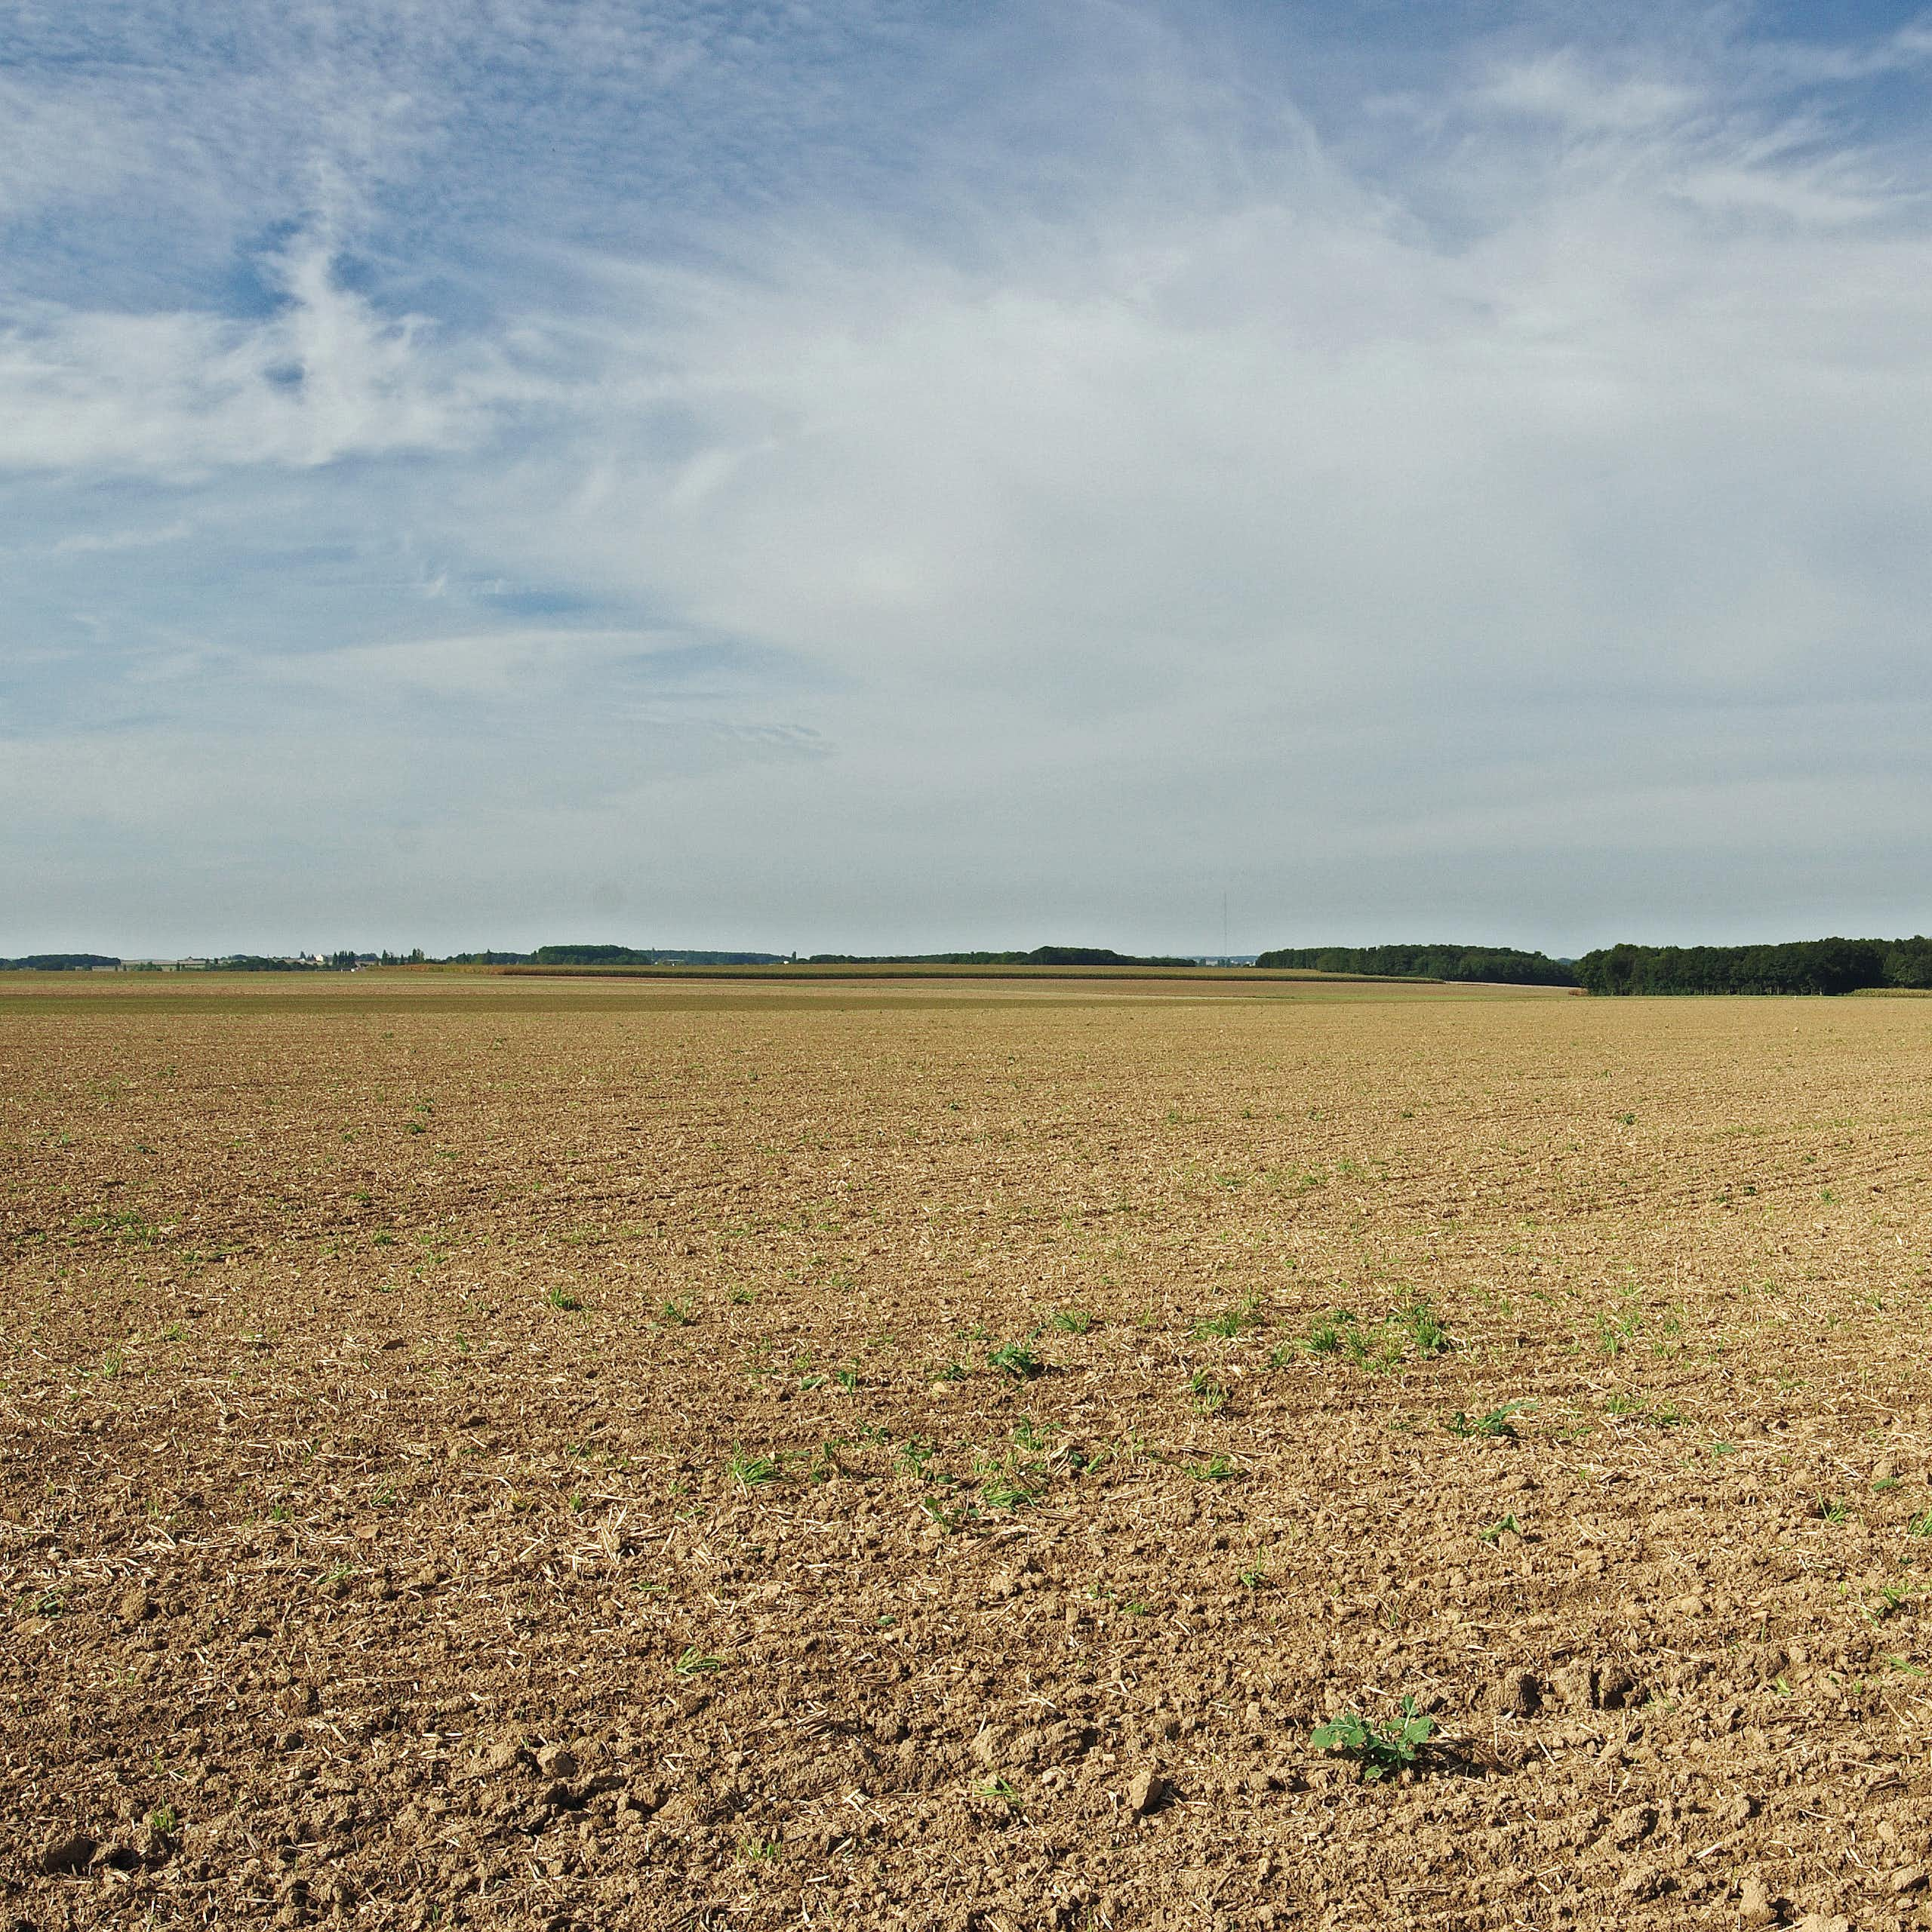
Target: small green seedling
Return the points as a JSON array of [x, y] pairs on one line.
[[1614, 1332], [562, 1298], [1509, 1526], [1015, 1359], [1002, 1492], [1424, 1330], [1379, 1750], [748, 1472], [676, 1314], [1919, 1526], [1073, 1320], [1216, 1469], [1327, 1336], [1496, 1427], [1229, 1322], [1208, 1394], [953, 1522], [695, 1663]]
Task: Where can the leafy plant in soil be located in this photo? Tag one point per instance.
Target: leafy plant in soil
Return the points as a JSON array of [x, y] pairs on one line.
[[1379, 1750], [1015, 1359], [1496, 1426]]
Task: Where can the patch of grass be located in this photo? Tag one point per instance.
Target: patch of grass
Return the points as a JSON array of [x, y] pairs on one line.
[[1230, 1322], [562, 1298], [164, 1821], [1615, 1333], [1071, 1321], [1206, 1393], [1919, 1526], [1216, 1469], [1639, 1408], [1380, 1750], [1325, 1338], [761, 1851], [749, 1472], [676, 1314], [1007, 1492], [1425, 1333]]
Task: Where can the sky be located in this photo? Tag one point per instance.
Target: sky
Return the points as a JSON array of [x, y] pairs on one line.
[[860, 475]]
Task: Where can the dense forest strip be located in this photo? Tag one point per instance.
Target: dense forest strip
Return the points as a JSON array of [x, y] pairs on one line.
[[1503, 965], [1802, 966]]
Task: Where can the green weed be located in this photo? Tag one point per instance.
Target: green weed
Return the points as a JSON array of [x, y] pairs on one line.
[[1208, 1395], [1495, 1426], [749, 1472], [1230, 1322], [1380, 1750], [1015, 1359]]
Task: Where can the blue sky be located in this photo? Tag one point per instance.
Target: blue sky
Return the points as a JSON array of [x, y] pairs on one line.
[[845, 474]]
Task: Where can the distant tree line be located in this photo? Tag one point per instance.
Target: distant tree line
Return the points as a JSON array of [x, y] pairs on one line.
[[1041, 955], [57, 962], [644, 955], [1503, 965], [1802, 966]]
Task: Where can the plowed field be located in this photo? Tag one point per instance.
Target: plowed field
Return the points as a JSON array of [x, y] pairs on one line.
[[494, 1452]]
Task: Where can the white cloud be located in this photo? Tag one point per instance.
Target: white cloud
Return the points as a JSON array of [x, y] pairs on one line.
[[1532, 516], [174, 393], [1561, 87]]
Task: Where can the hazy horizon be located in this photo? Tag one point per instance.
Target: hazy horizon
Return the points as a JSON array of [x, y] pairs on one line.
[[875, 479]]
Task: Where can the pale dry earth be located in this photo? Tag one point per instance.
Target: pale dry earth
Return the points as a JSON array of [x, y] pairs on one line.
[[506, 1453]]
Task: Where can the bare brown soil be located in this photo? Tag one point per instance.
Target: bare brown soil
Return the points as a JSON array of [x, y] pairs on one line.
[[510, 1454]]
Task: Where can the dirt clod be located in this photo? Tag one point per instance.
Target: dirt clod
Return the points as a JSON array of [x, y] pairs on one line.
[[1145, 1791], [1616, 1688], [1519, 1694]]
